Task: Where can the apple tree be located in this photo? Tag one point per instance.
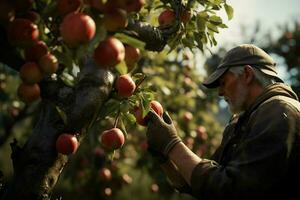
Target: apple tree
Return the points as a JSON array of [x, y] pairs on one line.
[[287, 46], [79, 63]]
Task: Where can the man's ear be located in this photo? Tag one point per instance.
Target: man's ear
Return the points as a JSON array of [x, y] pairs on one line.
[[248, 74]]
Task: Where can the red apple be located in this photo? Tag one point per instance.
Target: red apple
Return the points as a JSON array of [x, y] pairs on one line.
[[48, 63], [125, 86], [104, 7], [31, 73], [166, 17], [201, 133], [109, 52], [127, 179], [154, 187], [132, 5], [132, 55], [22, 32], [66, 144], [105, 174], [67, 6], [112, 139], [28, 93], [115, 19], [35, 52], [138, 112], [77, 28], [187, 116], [107, 192]]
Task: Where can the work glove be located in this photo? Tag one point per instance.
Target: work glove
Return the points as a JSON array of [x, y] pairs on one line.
[[161, 133]]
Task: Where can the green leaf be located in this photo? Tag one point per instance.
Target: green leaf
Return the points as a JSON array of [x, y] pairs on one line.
[[201, 24], [67, 79], [123, 127], [62, 114], [212, 27], [214, 19], [222, 26], [145, 105], [121, 68], [130, 40], [203, 15], [124, 107], [130, 117], [229, 11]]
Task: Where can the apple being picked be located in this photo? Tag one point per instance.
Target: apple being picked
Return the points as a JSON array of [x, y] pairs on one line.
[[138, 112], [125, 85], [112, 139], [66, 144]]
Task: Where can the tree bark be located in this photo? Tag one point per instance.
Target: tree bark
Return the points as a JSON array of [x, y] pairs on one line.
[[37, 165]]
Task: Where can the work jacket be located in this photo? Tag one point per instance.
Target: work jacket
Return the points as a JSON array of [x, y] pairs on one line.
[[259, 155]]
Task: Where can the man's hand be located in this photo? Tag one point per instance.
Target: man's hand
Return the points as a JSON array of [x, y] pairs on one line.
[[161, 133]]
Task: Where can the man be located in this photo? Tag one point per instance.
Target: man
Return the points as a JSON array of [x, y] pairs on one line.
[[259, 154]]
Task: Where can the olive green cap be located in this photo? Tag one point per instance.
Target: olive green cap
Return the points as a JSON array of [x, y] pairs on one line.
[[245, 54]]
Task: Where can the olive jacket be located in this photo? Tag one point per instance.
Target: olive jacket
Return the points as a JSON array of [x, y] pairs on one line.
[[259, 156]]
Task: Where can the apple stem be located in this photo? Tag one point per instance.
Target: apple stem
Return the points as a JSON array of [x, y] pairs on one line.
[[117, 119], [113, 155]]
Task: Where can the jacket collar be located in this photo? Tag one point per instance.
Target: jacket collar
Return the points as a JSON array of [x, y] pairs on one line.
[[270, 91]]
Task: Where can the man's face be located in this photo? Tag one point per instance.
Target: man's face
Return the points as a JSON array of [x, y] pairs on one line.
[[234, 92]]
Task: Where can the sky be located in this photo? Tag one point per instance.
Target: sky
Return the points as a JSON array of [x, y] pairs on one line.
[[270, 14]]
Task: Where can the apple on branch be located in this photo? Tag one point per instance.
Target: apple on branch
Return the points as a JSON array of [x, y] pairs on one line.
[[22, 32], [29, 93], [77, 28], [67, 6], [125, 85], [36, 51], [48, 63], [31, 73], [112, 139], [115, 19], [66, 144], [132, 56], [109, 52], [166, 17], [138, 112]]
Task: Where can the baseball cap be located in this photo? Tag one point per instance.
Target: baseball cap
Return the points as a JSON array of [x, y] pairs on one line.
[[245, 54]]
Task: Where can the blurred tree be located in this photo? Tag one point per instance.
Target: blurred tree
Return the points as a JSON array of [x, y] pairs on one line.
[[287, 46]]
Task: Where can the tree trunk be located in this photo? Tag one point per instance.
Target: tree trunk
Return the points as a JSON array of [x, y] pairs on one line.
[[37, 165]]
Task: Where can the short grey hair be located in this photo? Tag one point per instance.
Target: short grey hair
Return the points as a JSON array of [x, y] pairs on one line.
[[260, 77]]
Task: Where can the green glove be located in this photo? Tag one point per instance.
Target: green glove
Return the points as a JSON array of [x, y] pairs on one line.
[[161, 133]]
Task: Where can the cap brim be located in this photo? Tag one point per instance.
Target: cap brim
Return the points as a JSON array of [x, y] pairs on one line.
[[212, 81], [273, 74]]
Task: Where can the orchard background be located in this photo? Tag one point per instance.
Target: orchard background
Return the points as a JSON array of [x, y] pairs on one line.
[[60, 68]]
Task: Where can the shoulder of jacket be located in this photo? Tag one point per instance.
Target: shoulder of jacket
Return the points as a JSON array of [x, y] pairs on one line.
[[284, 101]]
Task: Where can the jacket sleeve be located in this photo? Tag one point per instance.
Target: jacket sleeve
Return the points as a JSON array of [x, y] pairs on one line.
[[256, 163]]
